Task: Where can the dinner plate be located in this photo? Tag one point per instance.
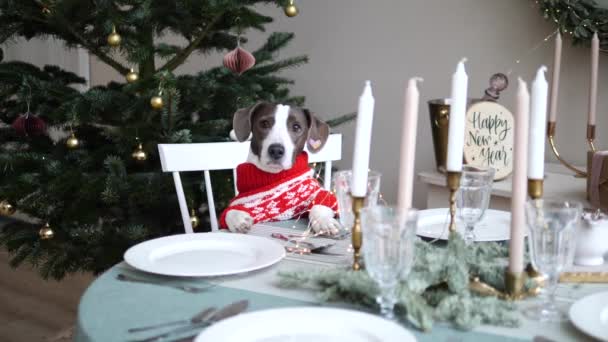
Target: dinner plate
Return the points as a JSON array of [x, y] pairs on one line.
[[204, 254], [306, 324], [494, 226], [590, 315]]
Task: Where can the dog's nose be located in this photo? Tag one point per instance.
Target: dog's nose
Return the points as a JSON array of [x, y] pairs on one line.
[[276, 151]]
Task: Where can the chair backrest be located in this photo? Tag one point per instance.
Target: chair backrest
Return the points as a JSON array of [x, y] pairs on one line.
[[176, 158]]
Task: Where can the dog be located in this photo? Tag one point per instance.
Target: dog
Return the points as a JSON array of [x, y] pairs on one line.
[[276, 183]]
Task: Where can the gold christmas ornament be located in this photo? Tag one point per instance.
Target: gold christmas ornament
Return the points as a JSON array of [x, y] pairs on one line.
[[194, 220], [132, 76], [6, 209], [72, 141], [114, 38], [139, 154], [291, 10], [46, 10], [46, 232], [157, 102]]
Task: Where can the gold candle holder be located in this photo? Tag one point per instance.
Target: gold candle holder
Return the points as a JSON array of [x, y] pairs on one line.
[[514, 285], [535, 191], [453, 181], [551, 137], [535, 188], [357, 234], [591, 137]]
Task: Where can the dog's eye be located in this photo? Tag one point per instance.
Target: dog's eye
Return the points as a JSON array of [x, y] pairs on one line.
[[265, 124], [296, 127]]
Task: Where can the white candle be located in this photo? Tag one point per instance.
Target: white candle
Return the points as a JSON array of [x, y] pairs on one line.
[[538, 122], [557, 62], [458, 108], [519, 184], [363, 135], [595, 56], [408, 144]]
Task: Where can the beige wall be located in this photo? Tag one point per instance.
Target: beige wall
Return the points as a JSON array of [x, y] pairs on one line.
[[349, 41]]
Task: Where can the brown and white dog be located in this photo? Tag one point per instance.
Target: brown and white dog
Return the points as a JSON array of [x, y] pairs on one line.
[[276, 182]]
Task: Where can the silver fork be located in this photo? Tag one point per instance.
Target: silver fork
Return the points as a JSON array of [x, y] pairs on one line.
[[198, 318], [186, 288]]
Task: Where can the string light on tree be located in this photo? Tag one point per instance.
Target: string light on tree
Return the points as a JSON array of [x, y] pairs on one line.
[[114, 38], [291, 10], [132, 76], [6, 208], [46, 232]]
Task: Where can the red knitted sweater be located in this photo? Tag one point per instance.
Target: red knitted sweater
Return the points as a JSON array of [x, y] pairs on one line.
[[278, 196]]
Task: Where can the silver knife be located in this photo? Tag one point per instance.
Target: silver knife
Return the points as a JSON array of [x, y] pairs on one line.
[[229, 310]]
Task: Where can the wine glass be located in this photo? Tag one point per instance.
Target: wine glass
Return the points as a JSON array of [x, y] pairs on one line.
[[341, 182], [551, 243], [473, 197], [388, 240]]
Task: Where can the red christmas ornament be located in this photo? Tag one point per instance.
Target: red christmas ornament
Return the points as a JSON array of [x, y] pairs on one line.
[[239, 60], [28, 124]]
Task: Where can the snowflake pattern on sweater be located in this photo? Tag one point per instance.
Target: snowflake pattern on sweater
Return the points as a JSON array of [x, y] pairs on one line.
[[279, 196]]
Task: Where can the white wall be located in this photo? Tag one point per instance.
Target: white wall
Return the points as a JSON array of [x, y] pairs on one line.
[[388, 41]]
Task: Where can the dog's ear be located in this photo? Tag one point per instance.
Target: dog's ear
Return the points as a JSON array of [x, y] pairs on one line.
[[318, 132], [241, 122]]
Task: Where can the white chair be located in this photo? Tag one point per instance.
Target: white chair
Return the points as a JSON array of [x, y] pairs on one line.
[[176, 158]]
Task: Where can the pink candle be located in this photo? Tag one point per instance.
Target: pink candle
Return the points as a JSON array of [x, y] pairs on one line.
[[595, 56], [557, 62], [519, 185], [408, 144]]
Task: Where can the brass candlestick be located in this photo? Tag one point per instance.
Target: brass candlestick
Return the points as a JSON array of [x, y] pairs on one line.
[[551, 137], [453, 180], [514, 285], [535, 191], [357, 235], [591, 137]]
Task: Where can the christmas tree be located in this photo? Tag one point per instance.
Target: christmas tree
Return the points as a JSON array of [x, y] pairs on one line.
[[84, 165]]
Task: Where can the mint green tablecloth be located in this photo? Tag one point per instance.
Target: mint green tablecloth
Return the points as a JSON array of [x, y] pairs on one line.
[[109, 307]]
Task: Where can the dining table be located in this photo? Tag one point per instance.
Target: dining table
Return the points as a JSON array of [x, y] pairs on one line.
[[110, 307]]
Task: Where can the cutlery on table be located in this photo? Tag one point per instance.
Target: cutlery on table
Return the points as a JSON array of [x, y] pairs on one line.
[[198, 318], [313, 248], [306, 251], [229, 310], [186, 288], [340, 236]]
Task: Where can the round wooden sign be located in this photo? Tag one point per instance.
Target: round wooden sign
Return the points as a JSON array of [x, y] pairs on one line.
[[488, 138]]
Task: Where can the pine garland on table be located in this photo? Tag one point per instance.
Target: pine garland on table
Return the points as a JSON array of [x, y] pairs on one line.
[[437, 289]]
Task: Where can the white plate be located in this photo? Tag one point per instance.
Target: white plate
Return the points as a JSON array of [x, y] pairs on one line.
[[306, 324], [495, 225], [204, 254], [590, 315]]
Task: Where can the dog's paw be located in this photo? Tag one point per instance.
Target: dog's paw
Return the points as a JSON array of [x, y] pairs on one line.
[[238, 221], [322, 220]]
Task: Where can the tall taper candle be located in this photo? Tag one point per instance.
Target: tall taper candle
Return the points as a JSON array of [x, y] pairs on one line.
[[595, 56], [519, 183], [538, 124], [408, 144], [363, 136], [458, 108], [557, 63]]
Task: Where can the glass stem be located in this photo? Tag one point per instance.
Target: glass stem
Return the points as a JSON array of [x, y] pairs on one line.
[[387, 300], [469, 234], [551, 288]]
